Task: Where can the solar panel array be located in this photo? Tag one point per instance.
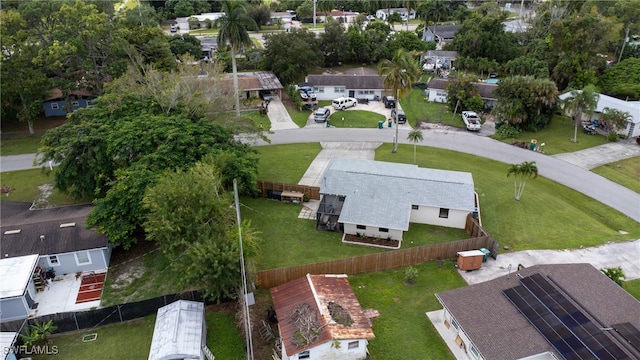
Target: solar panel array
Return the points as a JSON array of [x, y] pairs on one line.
[[630, 333], [564, 326]]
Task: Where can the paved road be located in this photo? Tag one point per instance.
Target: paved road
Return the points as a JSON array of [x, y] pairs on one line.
[[595, 186]]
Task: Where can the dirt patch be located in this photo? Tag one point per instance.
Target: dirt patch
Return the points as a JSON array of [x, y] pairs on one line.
[[368, 240]]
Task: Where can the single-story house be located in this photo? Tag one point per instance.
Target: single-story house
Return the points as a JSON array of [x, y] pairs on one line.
[[203, 19], [380, 199], [251, 84], [356, 83], [59, 235], [7, 344], [209, 47], [560, 311], [632, 129], [441, 34], [346, 16], [319, 317], [383, 14], [55, 104], [180, 332], [436, 91], [433, 60], [17, 289]]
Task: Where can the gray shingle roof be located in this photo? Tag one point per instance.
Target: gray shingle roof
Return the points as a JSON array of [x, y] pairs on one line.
[[485, 90], [34, 223], [348, 81], [499, 331], [381, 193]]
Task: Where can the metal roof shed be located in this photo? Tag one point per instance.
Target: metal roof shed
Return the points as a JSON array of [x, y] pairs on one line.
[[180, 332]]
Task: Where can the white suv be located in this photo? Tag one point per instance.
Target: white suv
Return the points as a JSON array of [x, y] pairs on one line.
[[342, 103], [471, 120]]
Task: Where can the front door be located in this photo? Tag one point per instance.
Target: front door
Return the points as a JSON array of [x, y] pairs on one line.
[[352, 93]]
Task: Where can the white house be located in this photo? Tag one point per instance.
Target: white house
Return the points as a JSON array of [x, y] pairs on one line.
[[383, 14], [356, 83], [180, 332], [319, 317], [436, 91], [346, 16], [632, 129], [381, 199], [541, 312], [17, 290]]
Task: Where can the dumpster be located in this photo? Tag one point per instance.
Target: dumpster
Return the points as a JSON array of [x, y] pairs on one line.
[[486, 253], [380, 126], [470, 260]]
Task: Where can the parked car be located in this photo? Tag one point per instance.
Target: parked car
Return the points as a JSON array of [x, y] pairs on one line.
[[471, 120], [322, 115], [402, 118], [303, 95], [342, 103], [174, 28], [389, 102]]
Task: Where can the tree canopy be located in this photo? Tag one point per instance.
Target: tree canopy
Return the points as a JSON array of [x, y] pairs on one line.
[[292, 55], [525, 102]]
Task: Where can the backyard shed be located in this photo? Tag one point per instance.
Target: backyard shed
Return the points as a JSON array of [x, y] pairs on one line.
[[180, 332], [470, 260], [7, 344]]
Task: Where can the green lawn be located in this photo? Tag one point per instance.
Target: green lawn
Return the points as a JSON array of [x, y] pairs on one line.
[[402, 310], [558, 136], [624, 172], [417, 109], [132, 340], [20, 145], [286, 163], [633, 288], [355, 119], [26, 185]]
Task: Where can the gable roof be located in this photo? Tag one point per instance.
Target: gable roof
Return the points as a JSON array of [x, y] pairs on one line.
[[444, 31], [318, 291], [606, 101], [35, 223], [56, 94], [348, 81], [375, 189], [441, 53], [178, 331], [484, 89], [498, 329]]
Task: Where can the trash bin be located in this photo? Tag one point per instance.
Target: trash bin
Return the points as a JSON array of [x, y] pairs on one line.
[[389, 123], [328, 123], [380, 124], [486, 253]]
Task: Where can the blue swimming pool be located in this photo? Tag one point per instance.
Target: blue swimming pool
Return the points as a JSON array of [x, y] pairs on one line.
[[492, 81]]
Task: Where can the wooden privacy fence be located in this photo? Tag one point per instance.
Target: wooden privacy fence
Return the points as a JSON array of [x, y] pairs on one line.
[[371, 262], [475, 230], [312, 191]]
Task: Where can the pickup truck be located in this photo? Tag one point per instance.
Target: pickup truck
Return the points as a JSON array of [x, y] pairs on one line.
[[471, 120]]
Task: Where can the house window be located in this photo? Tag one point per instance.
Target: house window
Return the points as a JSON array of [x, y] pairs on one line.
[[444, 213], [415, 207], [75, 103], [455, 324], [365, 92], [53, 260], [339, 89], [304, 355], [441, 93], [475, 352], [83, 258], [354, 344], [54, 106], [383, 230], [361, 227], [341, 198], [318, 89]]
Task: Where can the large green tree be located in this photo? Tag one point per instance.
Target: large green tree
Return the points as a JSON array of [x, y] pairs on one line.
[[233, 30], [525, 102], [192, 218], [332, 43], [579, 103], [614, 120], [399, 73], [485, 37], [292, 55], [622, 79], [181, 44]]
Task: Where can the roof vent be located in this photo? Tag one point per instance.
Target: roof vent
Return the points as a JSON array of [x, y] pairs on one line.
[[65, 225], [41, 237], [9, 232]]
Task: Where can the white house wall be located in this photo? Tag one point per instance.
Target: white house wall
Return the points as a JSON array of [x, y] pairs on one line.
[[455, 330], [437, 95], [14, 308], [330, 93], [335, 350], [374, 231], [430, 215]]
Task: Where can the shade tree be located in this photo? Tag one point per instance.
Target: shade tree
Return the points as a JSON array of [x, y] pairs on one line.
[[525, 102]]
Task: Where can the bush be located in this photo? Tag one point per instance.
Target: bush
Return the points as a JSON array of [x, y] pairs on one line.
[[410, 275], [506, 131], [612, 137]]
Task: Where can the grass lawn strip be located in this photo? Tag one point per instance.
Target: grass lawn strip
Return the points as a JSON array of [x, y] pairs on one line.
[[624, 172]]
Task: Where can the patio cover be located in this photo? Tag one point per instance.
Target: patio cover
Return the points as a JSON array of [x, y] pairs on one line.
[[15, 274]]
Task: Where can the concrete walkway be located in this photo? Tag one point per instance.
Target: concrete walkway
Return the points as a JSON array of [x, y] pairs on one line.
[[279, 117], [601, 155]]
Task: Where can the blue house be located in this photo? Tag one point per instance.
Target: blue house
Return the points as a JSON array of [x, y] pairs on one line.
[[57, 105]]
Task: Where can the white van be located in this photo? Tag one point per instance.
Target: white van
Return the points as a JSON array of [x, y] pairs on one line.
[[342, 103]]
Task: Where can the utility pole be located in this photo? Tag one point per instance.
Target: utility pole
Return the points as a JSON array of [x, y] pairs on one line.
[[395, 139], [314, 13], [624, 42]]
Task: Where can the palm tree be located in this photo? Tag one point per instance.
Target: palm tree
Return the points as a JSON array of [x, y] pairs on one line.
[[522, 173], [614, 119], [415, 135], [581, 102], [399, 73], [233, 29]]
